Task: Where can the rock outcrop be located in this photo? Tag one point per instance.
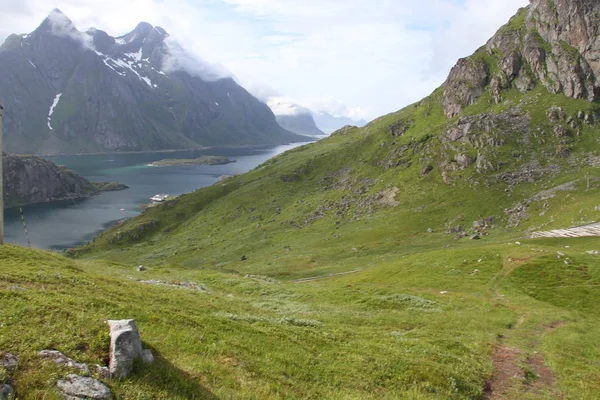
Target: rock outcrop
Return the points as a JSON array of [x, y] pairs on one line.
[[464, 85], [125, 348], [553, 42], [31, 180]]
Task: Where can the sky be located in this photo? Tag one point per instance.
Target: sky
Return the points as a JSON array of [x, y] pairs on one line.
[[351, 58]]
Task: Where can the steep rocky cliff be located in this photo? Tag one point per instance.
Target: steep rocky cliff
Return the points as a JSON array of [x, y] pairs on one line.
[[30, 180], [67, 91], [551, 42]]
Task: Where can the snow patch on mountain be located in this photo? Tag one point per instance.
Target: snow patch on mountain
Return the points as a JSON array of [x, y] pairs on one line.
[[52, 107], [136, 56], [135, 60]]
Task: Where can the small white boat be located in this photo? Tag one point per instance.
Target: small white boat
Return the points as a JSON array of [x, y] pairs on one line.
[[159, 198]]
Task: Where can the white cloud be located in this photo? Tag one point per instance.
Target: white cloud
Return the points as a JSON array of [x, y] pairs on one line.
[[362, 59], [177, 58], [286, 106], [61, 25]]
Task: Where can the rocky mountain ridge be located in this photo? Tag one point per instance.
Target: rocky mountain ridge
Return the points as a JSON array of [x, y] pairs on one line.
[[67, 91], [553, 42]]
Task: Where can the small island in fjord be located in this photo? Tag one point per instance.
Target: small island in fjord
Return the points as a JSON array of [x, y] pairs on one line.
[[202, 160]]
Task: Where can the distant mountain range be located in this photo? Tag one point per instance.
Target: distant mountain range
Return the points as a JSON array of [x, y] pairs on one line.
[[66, 91]]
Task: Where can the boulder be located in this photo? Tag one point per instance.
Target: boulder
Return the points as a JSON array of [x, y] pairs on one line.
[[64, 361], [76, 387], [125, 347]]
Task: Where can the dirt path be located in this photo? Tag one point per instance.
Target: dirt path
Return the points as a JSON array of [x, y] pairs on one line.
[[517, 373], [506, 371]]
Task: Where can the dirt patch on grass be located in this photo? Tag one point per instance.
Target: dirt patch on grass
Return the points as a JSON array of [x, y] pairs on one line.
[[516, 375], [507, 373]]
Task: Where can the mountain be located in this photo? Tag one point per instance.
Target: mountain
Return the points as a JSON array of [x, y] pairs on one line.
[[294, 118], [329, 123], [397, 260], [66, 91], [33, 180]]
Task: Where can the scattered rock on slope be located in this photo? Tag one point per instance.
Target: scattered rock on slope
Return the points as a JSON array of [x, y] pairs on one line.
[[76, 387], [59, 358]]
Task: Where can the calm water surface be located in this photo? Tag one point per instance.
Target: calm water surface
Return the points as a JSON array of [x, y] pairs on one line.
[[65, 224]]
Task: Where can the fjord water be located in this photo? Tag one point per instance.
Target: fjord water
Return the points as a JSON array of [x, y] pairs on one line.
[[66, 224]]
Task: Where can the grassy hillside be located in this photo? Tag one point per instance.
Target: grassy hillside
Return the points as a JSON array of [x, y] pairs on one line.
[[345, 269], [420, 326]]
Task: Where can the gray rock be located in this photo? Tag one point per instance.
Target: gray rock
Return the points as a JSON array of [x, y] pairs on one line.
[[125, 347], [9, 362], [64, 361], [6, 392], [147, 356], [76, 387]]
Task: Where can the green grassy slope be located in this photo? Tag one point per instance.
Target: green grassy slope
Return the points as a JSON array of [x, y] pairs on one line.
[[422, 326], [422, 311], [333, 206]]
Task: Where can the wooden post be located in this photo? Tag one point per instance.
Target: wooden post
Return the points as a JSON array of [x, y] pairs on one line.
[[1, 184]]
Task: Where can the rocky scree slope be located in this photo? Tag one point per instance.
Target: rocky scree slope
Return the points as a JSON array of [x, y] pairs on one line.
[[66, 91], [31, 180]]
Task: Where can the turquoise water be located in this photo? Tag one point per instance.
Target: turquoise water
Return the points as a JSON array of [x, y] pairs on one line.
[[67, 224]]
